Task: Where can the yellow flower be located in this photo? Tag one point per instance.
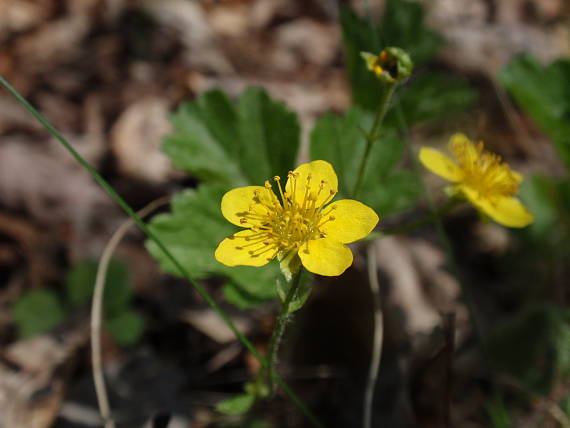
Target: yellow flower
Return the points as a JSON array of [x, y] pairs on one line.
[[297, 224], [481, 177]]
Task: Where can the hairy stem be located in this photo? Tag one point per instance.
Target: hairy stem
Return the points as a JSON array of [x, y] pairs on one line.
[[374, 132], [279, 329]]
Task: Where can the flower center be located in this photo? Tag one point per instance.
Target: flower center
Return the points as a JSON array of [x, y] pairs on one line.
[[285, 226], [301, 218], [485, 172]]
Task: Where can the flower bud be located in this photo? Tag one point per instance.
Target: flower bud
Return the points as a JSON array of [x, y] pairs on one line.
[[391, 65]]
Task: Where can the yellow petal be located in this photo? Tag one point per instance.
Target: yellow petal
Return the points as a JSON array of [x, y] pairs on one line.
[[517, 176], [351, 221], [237, 251], [440, 164], [506, 210], [321, 179], [237, 202], [325, 257], [464, 150]]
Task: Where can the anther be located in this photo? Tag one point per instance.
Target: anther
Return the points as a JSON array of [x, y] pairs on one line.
[[276, 178], [267, 184]]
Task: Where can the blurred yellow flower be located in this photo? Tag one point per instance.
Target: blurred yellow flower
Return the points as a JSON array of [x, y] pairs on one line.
[[481, 177], [301, 223]]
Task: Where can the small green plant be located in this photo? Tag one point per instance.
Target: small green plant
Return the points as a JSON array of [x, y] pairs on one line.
[[38, 311]]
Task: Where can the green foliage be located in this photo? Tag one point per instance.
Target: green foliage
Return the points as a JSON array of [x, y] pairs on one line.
[[533, 346], [234, 144], [126, 327], [403, 25], [544, 93], [227, 145], [430, 96], [340, 140], [193, 230], [80, 282], [124, 324], [499, 414], [36, 312], [426, 95], [359, 36], [549, 200], [236, 405]]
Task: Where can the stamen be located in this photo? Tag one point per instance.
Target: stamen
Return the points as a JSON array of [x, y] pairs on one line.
[[278, 181]]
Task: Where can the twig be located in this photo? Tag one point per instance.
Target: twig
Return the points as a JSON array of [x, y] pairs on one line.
[[97, 313], [372, 263]]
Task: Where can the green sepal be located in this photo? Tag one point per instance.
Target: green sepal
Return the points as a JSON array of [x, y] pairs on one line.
[[300, 297], [290, 263]]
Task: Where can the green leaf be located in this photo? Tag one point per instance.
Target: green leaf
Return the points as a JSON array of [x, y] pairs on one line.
[[126, 327], [340, 140], [36, 312], [429, 96], [359, 36], [403, 25], [236, 405], [234, 144], [544, 93], [80, 282], [499, 414], [193, 230], [533, 345], [541, 196]]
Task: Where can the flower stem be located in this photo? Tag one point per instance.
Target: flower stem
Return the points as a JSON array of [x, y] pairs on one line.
[[374, 131], [279, 329]]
